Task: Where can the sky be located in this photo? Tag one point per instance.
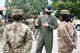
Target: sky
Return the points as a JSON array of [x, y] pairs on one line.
[[2, 3]]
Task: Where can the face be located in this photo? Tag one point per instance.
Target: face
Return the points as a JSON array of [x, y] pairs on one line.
[[60, 18], [65, 17], [48, 13]]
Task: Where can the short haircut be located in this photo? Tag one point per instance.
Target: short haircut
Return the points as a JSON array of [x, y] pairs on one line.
[[17, 17], [66, 17]]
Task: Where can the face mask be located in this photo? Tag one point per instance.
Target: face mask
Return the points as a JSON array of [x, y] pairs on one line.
[[65, 17], [48, 13]]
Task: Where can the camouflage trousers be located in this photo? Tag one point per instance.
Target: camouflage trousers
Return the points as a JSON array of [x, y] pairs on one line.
[[21, 49]]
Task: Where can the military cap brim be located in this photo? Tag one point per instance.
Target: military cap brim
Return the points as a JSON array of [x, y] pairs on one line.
[[64, 12]]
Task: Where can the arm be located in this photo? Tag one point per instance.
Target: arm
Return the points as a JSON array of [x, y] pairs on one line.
[[75, 36], [5, 38], [37, 23], [29, 34], [2, 26], [54, 24], [28, 41], [64, 35], [73, 33]]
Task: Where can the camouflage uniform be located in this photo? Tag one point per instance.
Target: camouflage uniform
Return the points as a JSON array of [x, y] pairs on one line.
[[17, 38], [66, 37], [2, 25], [31, 24]]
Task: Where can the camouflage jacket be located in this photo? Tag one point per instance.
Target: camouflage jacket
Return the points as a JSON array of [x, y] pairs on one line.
[[2, 25], [30, 23], [17, 34], [66, 34]]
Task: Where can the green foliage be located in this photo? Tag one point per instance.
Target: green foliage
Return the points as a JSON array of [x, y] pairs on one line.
[[74, 7], [30, 7]]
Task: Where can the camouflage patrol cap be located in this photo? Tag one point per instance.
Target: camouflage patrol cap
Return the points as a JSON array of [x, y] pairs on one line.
[[64, 12], [17, 11]]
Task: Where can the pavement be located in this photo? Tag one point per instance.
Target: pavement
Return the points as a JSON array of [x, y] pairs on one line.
[[55, 48]]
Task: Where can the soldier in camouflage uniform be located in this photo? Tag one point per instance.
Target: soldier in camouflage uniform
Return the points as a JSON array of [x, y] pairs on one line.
[[17, 36], [2, 25], [67, 38], [30, 22]]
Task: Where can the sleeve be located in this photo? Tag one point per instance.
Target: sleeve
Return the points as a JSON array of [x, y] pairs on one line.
[[5, 38], [2, 26], [28, 35], [75, 36], [28, 41], [38, 22], [54, 24], [64, 35], [73, 33]]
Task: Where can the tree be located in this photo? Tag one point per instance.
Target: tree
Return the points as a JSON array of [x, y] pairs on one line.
[[69, 0], [33, 7], [73, 7]]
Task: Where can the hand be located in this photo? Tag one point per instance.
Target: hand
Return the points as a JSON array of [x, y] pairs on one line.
[[36, 24], [45, 24], [74, 45]]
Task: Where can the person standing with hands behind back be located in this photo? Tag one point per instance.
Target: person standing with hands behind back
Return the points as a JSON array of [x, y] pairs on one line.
[[17, 37], [46, 23], [67, 38]]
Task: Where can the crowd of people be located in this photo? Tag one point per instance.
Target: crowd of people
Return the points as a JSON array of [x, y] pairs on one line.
[[17, 36]]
